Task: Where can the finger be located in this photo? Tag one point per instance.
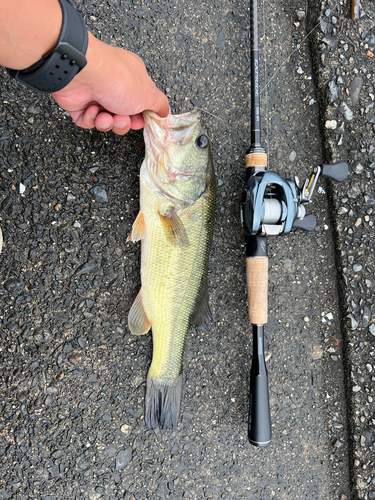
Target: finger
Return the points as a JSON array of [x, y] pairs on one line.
[[104, 122], [121, 124], [137, 121], [85, 119], [158, 102]]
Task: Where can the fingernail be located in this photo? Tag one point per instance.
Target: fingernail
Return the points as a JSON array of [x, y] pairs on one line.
[[121, 124], [104, 127]]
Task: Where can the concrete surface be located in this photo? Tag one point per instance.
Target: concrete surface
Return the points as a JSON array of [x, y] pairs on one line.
[[72, 378]]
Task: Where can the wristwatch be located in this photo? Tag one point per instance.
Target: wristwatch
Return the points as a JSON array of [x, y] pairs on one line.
[[55, 71]]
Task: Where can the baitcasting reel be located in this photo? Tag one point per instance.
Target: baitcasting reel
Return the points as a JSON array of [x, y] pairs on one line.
[[271, 205]]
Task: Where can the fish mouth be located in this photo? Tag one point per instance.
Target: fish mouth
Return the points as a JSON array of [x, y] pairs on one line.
[[172, 122], [172, 129]]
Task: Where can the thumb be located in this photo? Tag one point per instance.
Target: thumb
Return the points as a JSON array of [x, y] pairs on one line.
[[158, 102]]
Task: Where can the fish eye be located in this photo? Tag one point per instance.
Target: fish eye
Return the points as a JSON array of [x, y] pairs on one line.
[[202, 141]]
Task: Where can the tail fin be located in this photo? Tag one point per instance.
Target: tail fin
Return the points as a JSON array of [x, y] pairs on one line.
[[163, 398]]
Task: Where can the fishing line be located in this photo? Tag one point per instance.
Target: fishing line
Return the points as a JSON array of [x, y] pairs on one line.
[[218, 117], [299, 46], [265, 88]]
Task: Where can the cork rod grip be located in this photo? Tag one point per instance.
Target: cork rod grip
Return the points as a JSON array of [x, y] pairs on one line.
[[257, 289], [256, 160]]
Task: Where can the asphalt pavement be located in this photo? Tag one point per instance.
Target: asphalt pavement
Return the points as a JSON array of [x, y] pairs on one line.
[[72, 377]]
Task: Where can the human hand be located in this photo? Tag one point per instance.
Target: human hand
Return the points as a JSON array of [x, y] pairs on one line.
[[111, 92]]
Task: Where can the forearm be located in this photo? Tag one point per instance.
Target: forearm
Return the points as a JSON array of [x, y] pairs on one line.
[[29, 30]]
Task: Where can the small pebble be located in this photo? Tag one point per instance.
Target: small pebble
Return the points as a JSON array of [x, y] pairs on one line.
[[99, 194], [342, 210], [366, 316], [333, 91], [300, 14], [123, 458], [346, 111], [355, 88], [354, 323], [331, 124]]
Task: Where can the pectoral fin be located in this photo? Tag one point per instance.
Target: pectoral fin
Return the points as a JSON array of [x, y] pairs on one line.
[[202, 317], [174, 228], [138, 229], [138, 321]]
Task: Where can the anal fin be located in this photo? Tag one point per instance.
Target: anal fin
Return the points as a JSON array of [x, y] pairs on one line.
[[138, 321]]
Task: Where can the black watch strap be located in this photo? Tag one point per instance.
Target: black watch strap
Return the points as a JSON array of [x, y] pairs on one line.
[[55, 71]]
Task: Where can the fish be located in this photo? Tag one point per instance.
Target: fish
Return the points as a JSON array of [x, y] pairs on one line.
[[175, 226]]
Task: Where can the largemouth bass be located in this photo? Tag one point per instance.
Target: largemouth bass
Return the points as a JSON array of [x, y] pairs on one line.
[[175, 223]]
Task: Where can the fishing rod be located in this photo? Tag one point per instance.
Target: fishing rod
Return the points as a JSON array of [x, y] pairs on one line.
[[270, 206]]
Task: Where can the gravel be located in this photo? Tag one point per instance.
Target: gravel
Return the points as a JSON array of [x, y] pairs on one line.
[[351, 67], [72, 378]]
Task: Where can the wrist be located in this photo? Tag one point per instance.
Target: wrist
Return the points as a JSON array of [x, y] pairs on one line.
[[29, 31], [54, 71], [92, 71]]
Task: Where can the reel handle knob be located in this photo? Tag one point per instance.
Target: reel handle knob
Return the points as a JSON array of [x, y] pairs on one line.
[[337, 172], [308, 223]]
